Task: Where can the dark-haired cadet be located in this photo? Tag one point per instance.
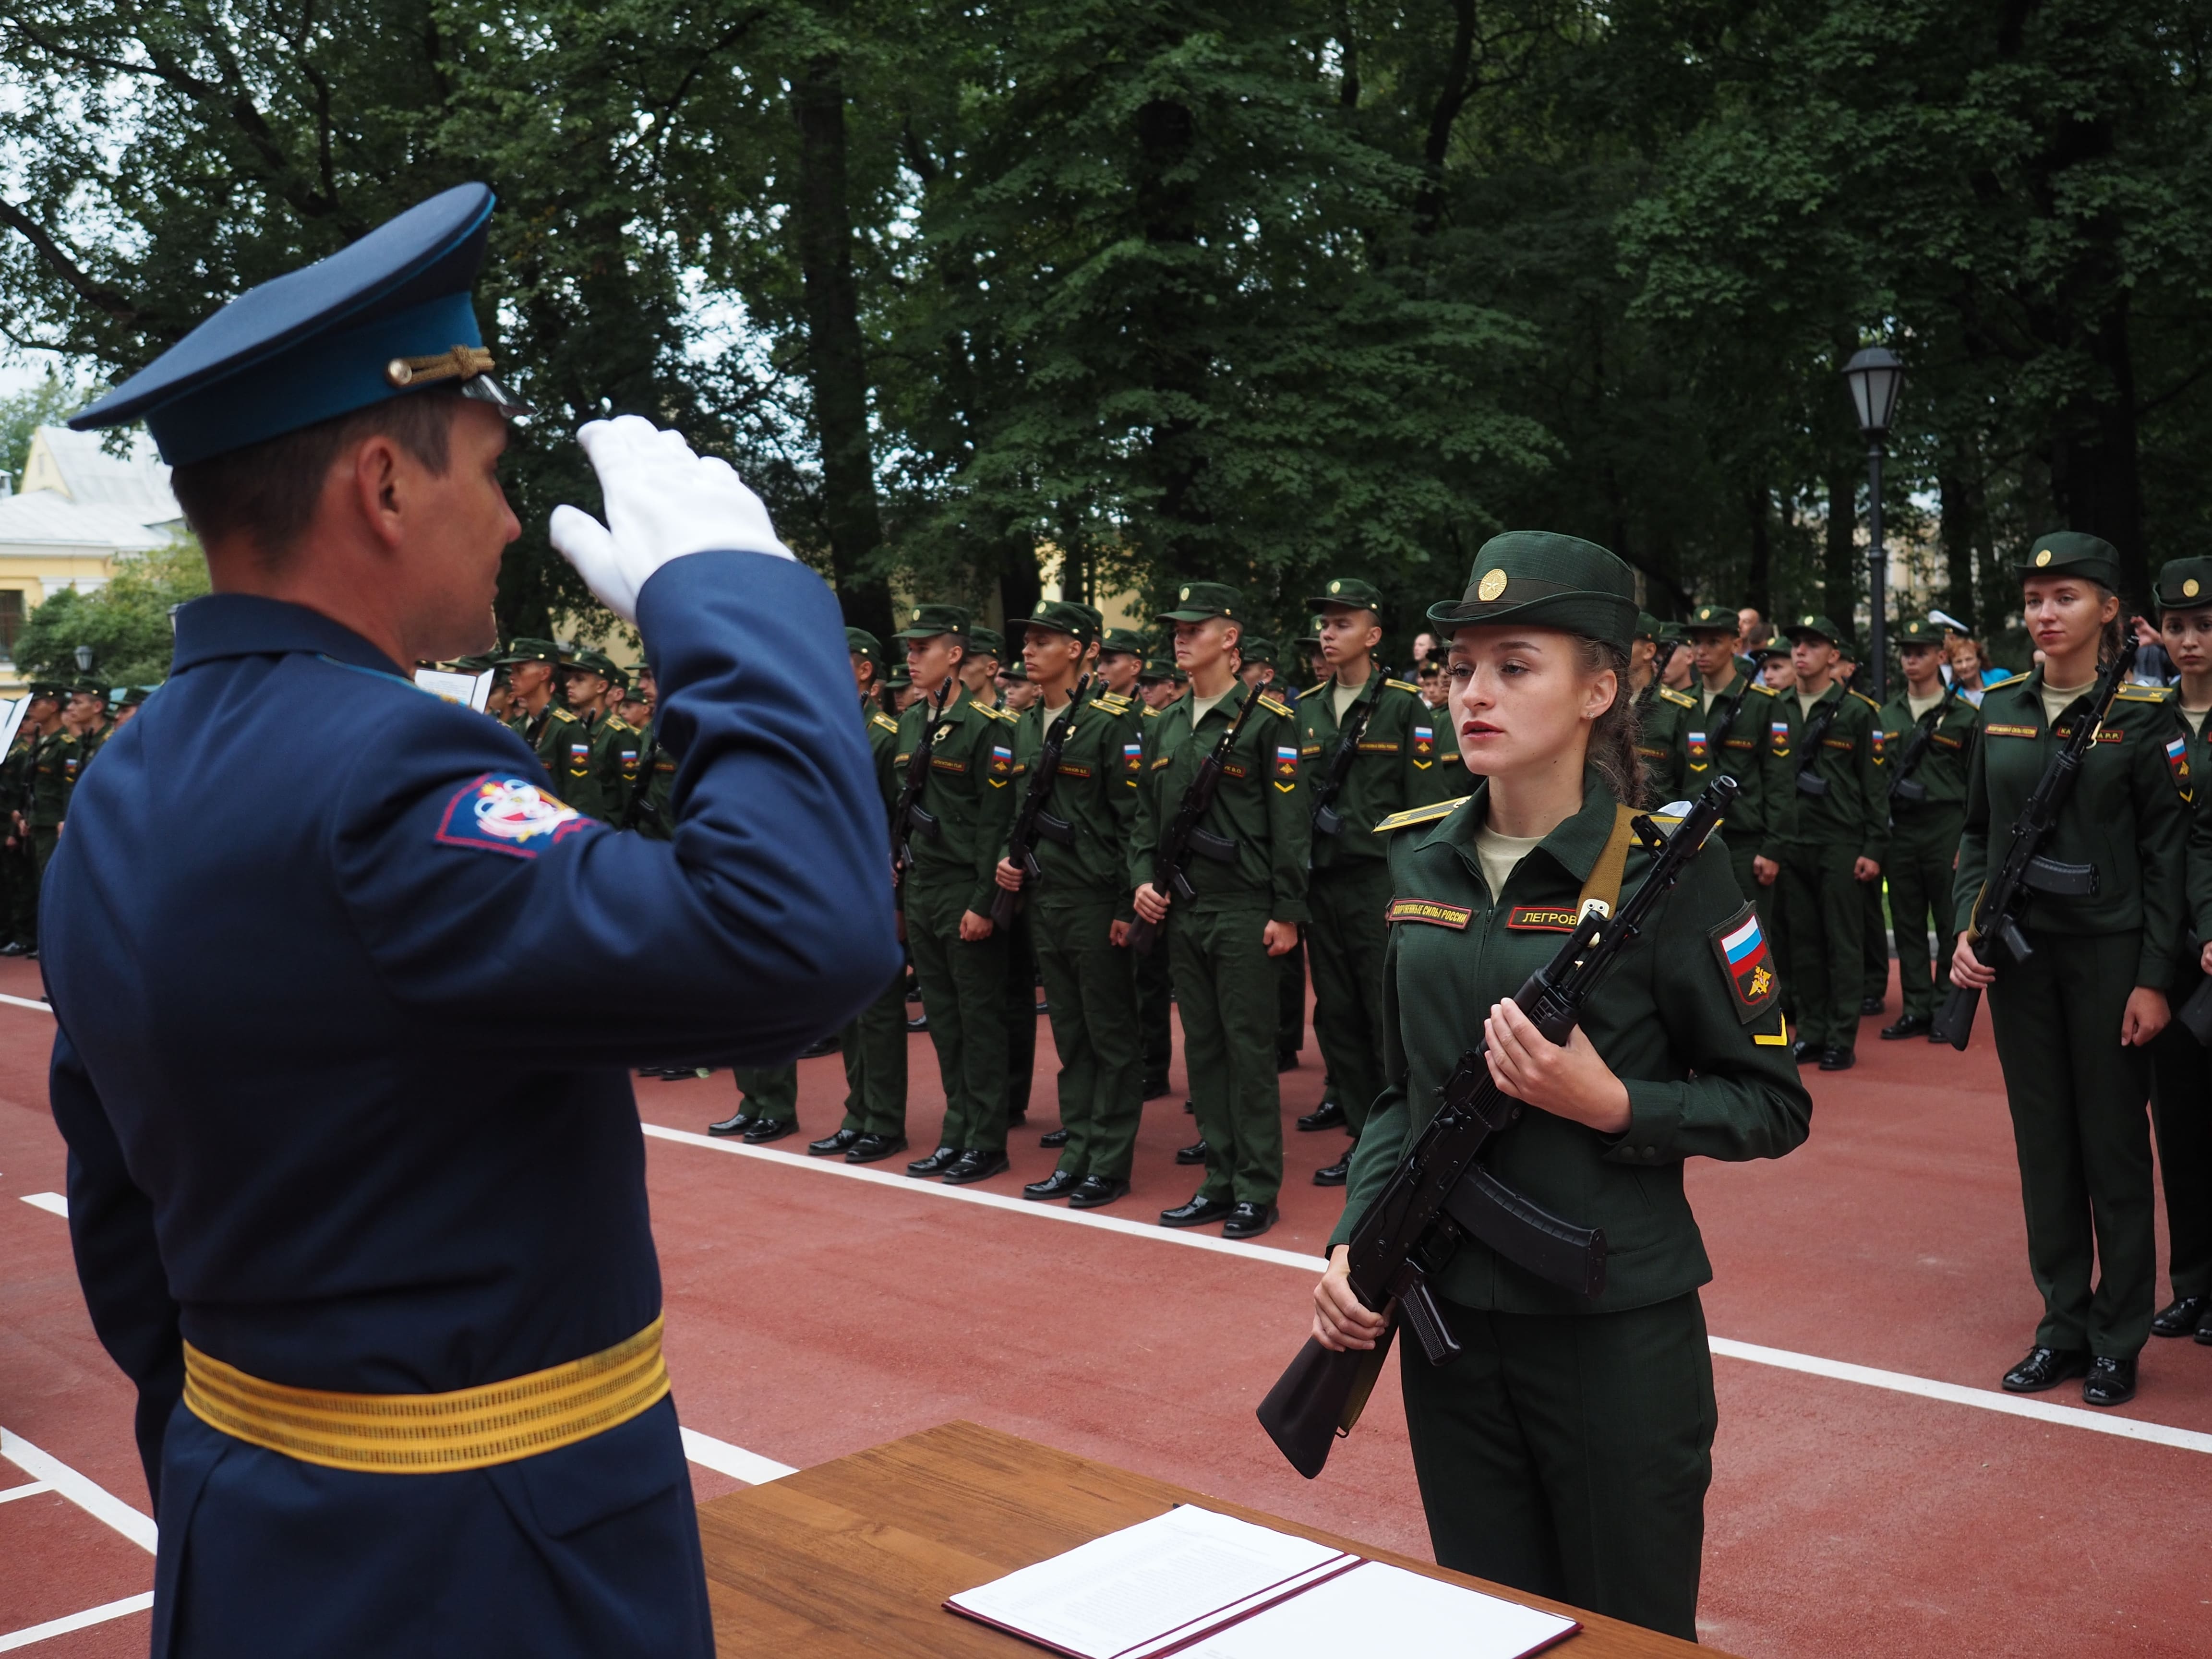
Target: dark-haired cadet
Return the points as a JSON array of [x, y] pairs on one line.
[[2072, 1022], [1567, 1450]]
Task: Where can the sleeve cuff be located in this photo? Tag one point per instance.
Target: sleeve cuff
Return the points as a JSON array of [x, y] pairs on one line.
[[1292, 910], [1654, 1118]]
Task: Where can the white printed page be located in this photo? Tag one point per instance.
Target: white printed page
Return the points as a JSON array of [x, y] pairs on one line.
[[1378, 1608], [1166, 1577]]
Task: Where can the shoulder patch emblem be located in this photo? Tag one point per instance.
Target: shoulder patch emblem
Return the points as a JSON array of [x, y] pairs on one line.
[[1525, 918], [1424, 745], [508, 815], [1429, 814], [2177, 763], [1741, 948], [1430, 911]]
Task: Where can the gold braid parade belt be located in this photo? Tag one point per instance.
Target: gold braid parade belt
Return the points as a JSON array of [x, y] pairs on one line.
[[432, 1433]]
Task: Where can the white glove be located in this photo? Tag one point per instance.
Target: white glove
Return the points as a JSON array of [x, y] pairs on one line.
[[662, 502]]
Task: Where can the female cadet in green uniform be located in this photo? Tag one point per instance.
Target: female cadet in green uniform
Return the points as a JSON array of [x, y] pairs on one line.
[[1567, 1450], [2071, 1021]]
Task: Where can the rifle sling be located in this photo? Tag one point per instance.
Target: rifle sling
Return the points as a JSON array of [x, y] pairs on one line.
[[1605, 876]]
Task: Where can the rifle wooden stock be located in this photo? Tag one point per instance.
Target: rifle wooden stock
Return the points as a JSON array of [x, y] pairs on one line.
[[1318, 1399]]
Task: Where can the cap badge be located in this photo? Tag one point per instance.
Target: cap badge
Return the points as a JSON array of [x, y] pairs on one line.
[[1336, 587], [917, 613], [1039, 611], [2188, 588], [2042, 558], [1492, 583], [1807, 623], [1184, 594]]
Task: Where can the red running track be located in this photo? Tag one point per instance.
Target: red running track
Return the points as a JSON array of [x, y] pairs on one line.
[[810, 1315]]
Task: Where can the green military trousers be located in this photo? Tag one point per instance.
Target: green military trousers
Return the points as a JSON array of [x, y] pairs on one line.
[[1346, 940], [769, 1091], [2181, 1112], [1568, 1455], [1822, 940], [1094, 1031], [1923, 845], [874, 1049], [1225, 985], [44, 839], [963, 991], [1021, 1016], [2081, 1136]]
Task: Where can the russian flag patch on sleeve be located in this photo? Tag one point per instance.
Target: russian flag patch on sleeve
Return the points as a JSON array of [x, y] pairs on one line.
[[508, 815], [1740, 947]]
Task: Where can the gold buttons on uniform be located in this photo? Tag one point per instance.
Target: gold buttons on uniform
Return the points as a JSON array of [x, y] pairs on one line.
[[1493, 584]]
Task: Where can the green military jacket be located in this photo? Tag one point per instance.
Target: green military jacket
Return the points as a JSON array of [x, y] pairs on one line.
[[1727, 737], [1941, 768], [1690, 1019], [2127, 817], [882, 748], [969, 792], [617, 755], [1660, 712], [1400, 763], [53, 766], [1094, 793], [552, 736], [1260, 805], [1855, 811]]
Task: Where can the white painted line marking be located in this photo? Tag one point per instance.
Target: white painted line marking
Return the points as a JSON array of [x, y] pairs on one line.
[[1197, 1241], [26, 1002], [734, 1461], [30, 1491], [2008, 1405], [53, 1203], [95, 1500], [1989, 1399], [99, 1615]]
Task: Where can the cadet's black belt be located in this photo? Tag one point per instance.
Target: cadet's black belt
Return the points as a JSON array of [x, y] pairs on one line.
[[432, 1433]]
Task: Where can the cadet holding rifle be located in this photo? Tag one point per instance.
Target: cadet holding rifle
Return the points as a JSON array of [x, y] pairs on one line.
[[2071, 882], [1566, 1450], [1370, 744], [1078, 760], [1928, 734], [1724, 735], [1233, 897]]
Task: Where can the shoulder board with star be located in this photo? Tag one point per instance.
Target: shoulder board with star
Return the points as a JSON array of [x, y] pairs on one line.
[[1401, 686], [998, 714], [1868, 701], [2131, 692], [616, 723], [1305, 691], [1429, 814], [882, 722], [1764, 689], [560, 713], [1151, 712], [1113, 701], [1680, 699], [1273, 705]]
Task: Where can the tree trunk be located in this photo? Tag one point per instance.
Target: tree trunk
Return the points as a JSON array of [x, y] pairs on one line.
[[836, 363], [1957, 485], [1176, 455], [2096, 478], [1839, 556], [1758, 580]]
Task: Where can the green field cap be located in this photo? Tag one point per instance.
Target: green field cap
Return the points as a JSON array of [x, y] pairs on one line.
[[1349, 590], [927, 621], [528, 650], [986, 642], [1647, 626], [1125, 639], [1312, 636], [2071, 553], [2184, 584], [1014, 669], [1198, 602], [1817, 626], [1713, 619], [862, 644], [1918, 630], [1066, 616], [899, 678], [1548, 580], [1257, 650], [1157, 670]]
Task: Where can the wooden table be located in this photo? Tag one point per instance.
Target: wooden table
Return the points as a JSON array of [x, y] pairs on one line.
[[856, 1557]]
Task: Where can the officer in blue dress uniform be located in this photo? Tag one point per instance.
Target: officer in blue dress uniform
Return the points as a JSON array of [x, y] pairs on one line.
[[360, 1211]]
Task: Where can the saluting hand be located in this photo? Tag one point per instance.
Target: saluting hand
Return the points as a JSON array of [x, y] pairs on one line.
[[1567, 1080], [1341, 1319]]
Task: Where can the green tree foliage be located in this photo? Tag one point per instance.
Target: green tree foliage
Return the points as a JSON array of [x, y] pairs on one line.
[[1131, 290], [125, 622]]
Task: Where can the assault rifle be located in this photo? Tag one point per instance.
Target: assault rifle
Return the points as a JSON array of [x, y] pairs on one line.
[[1326, 820], [1184, 837], [1440, 1194], [1033, 820], [908, 818], [1903, 785], [1810, 782], [1995, 924], [638, 807]]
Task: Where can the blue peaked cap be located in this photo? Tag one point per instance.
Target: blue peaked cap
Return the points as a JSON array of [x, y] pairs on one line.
[[375, 320]]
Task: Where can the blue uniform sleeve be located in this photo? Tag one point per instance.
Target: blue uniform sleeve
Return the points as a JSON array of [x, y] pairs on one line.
[[765, 923], [111, 1226]]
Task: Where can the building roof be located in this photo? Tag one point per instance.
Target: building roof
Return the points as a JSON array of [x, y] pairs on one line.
[[45, 518], [76, 467]]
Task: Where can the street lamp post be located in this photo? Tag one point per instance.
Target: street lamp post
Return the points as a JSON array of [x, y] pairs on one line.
[[1875, 376], [84, 659]]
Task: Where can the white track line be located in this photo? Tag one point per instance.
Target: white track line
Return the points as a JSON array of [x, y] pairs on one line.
[[1988, 1400], [95, 1500], [30, 1491], [734, 1461], [53, 1203], [99, 1615], [26, 1002]]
